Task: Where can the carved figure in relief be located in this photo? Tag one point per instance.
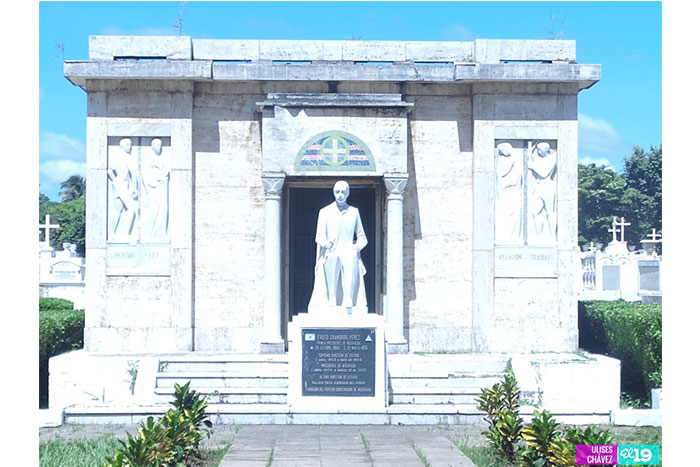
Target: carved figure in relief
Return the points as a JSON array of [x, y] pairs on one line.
[[509, 195], [155, 170], [339, 270], [123, 176], [542, 166]]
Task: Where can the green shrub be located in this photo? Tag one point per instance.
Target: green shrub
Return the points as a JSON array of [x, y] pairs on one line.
[[46, 304], [60, 330], [545, 444], [630, 332], [172, 440], [541, 443], [501, 404]]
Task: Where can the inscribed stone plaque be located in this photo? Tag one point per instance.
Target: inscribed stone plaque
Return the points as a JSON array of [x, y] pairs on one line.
[[649, 278], [138, 259], [338, 362], [611, 277], [525, 261], [66, 271]]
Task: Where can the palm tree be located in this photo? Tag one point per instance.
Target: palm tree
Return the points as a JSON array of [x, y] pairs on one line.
[[73, 188]]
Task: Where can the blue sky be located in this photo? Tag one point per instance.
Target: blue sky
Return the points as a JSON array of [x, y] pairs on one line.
[[622, 111]]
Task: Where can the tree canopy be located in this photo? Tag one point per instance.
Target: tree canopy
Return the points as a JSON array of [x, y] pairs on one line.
[[635, 195], [73, 188], [69, 214]]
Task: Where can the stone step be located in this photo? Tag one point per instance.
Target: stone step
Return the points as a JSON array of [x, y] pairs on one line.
[[228, 365], [276, 414], [444, 380], [481, 363], [431, 396], [227, 395], [199, 380]]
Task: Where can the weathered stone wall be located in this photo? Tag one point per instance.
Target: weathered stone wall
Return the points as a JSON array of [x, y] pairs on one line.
[[228, 219], [525, 314], [438, 219], [139, 313], [229, 214]]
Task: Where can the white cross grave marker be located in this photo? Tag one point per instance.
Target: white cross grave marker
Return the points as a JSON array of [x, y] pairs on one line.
[[622, 224], [614, 229], [655, 237], [47, 226]]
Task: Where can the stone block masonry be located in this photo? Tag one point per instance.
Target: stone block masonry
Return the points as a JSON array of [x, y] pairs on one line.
[[235, 117]]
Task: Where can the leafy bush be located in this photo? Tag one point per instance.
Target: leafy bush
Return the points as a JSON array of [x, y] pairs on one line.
[[630, 332], [172, 440], [60, 330], [501, 404], [543, 442], [47, 304]]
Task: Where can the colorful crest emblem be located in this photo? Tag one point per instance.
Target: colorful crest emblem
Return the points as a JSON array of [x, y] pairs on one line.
[[334, 151]]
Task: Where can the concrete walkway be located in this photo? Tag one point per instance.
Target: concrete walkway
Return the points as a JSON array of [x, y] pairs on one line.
[[342, 445]]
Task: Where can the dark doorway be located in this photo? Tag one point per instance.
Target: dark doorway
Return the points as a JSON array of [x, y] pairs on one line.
[[304, 204]]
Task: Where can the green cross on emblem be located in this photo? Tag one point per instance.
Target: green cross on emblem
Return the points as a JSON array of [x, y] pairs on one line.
[[335, 150]]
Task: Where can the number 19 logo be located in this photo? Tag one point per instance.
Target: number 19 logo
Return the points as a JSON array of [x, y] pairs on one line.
[[638, 454]]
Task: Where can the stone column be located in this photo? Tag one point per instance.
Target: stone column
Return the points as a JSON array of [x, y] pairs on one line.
[[395, 185], [272, 318]]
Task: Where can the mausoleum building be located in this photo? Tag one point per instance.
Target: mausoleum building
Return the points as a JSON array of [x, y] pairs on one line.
[[254, 133], [208, 162]]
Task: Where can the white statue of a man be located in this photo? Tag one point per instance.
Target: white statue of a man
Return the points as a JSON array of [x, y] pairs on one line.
[[155, 170], [123, 175], [339, 271], [509, 196]]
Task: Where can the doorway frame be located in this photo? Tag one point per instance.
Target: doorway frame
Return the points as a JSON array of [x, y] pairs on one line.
[[295, 182]]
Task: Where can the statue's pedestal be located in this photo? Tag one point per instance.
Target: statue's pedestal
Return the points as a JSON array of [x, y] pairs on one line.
[[337, 310], [337, 362]]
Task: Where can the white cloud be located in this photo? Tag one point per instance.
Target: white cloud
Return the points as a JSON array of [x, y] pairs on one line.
[[457, 32], [599, 162], [53, 172], [60, 146], [596, 136]]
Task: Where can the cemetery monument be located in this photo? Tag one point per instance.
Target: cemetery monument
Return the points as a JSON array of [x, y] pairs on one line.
[[211, 228]]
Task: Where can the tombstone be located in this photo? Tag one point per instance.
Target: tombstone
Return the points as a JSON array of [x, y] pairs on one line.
[[627, 272], [611, 277], [66, 271], [649, 276], [62, 274]]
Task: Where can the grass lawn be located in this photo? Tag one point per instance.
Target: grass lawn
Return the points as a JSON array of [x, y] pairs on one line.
[[88, 446], [85, 452]]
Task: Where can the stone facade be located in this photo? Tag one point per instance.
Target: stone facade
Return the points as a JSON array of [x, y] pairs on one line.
[[236, 115]]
